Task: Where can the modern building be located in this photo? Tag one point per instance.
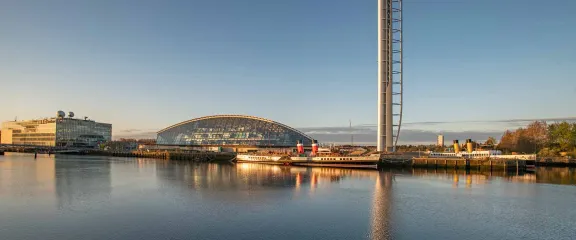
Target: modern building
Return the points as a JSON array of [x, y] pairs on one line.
[[58, 131], [440, 141], [231, 130]]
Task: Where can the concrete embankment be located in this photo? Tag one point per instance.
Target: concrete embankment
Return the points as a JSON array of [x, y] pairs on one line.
[[183, 156], [452, 163]]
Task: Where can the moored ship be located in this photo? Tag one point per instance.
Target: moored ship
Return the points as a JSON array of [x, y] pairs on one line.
[[257, 158], [470, 153], [331, 157]]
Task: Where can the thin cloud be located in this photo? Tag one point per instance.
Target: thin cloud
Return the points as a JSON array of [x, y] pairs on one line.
[[407, 136], [135, 133], [520, 120], [130, 130]]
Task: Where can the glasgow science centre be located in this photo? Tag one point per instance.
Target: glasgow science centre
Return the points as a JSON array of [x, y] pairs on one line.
[[231, 130]]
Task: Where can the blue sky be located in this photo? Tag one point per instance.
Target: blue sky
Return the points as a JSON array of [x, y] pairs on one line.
[[145, 65]]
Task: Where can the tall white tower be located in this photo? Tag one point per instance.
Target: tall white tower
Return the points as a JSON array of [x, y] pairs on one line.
[[389, 73]]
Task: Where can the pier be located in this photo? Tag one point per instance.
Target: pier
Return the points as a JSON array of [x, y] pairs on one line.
[[195, 156]]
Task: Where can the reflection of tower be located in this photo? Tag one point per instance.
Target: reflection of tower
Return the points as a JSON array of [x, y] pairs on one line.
[[389, 72], [381, 209]]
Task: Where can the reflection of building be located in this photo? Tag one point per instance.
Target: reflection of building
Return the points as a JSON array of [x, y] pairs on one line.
[[230, 178], [59, 131], [232, 130], [18, 173], [250, 176], [79, 183]]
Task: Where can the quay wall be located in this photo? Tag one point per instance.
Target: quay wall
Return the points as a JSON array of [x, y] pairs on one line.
[[182, 156], [459, 163]]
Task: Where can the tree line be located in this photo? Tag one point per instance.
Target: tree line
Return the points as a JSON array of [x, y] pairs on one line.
[[542, 138]]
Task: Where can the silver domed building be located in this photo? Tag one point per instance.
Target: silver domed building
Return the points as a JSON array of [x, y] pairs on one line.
[[231, 130]]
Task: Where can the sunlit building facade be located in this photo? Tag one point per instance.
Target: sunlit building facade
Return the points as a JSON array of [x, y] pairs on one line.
[[440, 141], [64, 132], [229, 130]]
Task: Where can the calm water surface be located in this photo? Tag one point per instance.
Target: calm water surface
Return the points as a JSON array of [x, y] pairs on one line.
[[117, 198]]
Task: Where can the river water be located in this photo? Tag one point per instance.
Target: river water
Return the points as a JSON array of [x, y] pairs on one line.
[[71, 197]]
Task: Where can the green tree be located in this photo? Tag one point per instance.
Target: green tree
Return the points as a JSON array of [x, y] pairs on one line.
[[562, 136], [573, 137]]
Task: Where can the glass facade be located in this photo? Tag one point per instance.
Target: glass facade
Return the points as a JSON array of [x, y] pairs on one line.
[[231, 130], [66, 132], [82, 133]]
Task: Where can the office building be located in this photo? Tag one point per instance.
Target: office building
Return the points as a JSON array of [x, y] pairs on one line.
[[440, 141], [62, 131]]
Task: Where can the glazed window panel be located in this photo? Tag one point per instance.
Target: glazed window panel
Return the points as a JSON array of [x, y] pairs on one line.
[[231, 131]]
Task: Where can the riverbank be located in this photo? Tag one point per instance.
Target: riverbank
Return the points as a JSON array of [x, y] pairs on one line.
[[556, 162], [183, 156]]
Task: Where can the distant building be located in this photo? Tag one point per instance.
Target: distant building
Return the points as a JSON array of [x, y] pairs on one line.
[[58, 131], [440, 141]]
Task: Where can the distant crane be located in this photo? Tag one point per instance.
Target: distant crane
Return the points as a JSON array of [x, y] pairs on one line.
[[351, 134]]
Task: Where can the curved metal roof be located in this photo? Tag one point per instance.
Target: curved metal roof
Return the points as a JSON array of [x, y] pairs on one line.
[[235, 116]]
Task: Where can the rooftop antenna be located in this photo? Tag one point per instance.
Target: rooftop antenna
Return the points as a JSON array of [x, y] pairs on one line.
[[351, 134]]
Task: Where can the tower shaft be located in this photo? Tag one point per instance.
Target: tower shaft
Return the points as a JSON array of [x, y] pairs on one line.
[[389, 72]]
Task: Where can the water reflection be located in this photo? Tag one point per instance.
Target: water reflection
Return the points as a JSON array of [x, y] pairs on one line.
[[563, 176], [22, 171], [79, 184], [463, 178], [246, 176], [73, 197], [381, 207], [255, 176], [251, 178]]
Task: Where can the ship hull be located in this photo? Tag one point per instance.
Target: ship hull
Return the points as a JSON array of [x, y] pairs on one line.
[[257, 158], [337, 159]]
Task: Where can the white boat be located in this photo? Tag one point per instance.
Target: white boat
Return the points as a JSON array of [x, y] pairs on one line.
[[335, 159], [486, 154], [257, 158]]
